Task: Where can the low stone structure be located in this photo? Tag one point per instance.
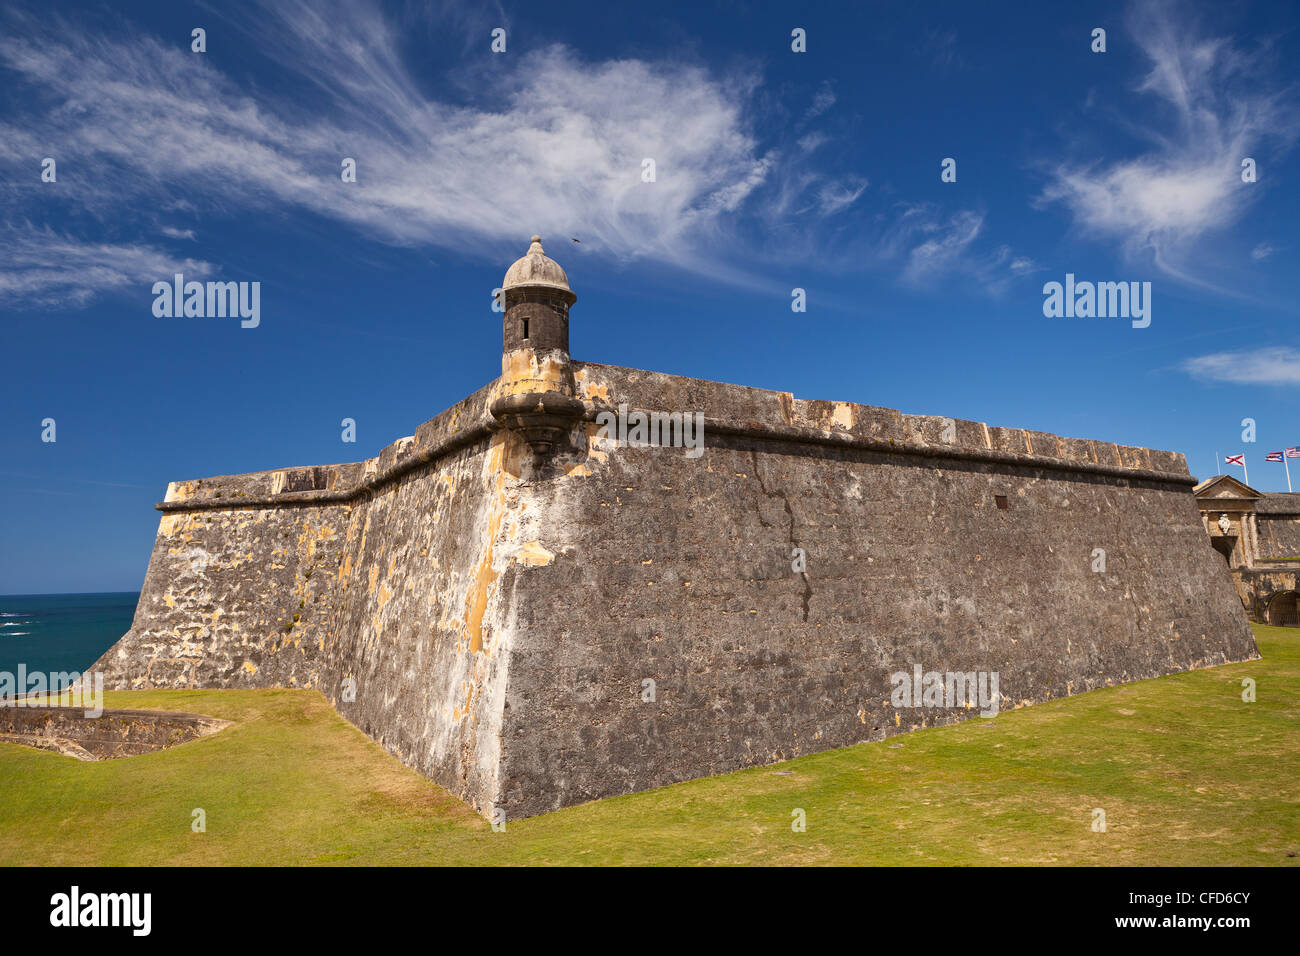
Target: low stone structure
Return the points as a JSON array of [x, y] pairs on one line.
[[114, 733], [1258, 536], [535, 612]]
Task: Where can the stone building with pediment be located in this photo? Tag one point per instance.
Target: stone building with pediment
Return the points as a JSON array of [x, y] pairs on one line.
[[1258, 536]]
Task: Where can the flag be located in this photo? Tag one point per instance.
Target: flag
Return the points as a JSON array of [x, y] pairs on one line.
[[1235, 460], [1293, 452], [1273, 456]]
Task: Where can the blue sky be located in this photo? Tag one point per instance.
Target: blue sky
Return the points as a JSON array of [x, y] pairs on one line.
[[774, 170]]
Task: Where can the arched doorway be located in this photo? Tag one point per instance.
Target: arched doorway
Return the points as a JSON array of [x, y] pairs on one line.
[[1284, 609], [1225, 546]]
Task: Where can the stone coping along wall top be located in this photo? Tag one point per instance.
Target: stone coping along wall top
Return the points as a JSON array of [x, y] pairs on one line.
[[727, 409], [1279, 503]]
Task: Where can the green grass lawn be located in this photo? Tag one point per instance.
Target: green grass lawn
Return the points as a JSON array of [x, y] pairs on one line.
[[1186, 772]]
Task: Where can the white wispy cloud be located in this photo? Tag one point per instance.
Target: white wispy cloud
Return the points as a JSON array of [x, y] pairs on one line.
[[938, 254], [930, 248], [1262, 251], [822, 101], [1279, 365], [1212, 109], [547, 140], [557, 143], [833, 197], [48, 269]]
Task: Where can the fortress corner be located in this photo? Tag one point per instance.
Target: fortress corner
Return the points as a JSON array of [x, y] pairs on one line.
[[535, 612]]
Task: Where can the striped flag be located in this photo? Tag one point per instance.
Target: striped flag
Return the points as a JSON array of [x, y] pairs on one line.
[[1273, 456], [1292, 452]]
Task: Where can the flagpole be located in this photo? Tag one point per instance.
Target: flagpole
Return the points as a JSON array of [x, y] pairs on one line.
[[1288, 471], [1244, 470], [1218, 469]]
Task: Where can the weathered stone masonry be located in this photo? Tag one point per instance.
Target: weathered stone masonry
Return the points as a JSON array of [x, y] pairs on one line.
[[497, 587]]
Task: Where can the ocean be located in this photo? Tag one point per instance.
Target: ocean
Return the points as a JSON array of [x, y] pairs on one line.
[[61, 632]]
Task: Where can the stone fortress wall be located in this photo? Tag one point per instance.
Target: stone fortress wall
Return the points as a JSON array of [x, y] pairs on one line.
[[1278, 520], [489, 598]]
